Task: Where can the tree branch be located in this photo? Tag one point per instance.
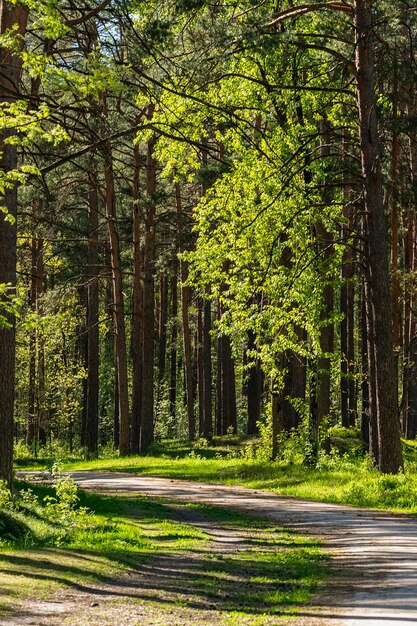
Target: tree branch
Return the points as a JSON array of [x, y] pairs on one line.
[[87, 16], [309, 8]]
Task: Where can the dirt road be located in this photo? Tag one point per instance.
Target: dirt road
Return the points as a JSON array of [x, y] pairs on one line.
[[374, 554]]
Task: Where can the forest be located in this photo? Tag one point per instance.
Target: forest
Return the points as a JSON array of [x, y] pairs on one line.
[[208, 224]]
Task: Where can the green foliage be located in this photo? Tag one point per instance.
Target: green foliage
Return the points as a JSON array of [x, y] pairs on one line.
[[5, 495], [62, 509], [55, 328], [10, 303]]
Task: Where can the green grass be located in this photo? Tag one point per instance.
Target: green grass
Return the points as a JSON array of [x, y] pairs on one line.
[[341, 478], [275, 572]]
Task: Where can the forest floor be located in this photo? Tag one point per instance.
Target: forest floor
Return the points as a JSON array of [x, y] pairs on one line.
[[373, 554], [162, 562]]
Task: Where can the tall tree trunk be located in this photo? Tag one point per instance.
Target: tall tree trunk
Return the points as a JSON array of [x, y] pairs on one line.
[[11, 17], [392, 199], [410, 328], [325, 245], [228, 415], [219, 397], [91, 430], [378, 279], [207, 369], [185, 305], [118, 303], [40, 283], [347, 326], [137, 310], [173, 350], [200, 367], [162, 323], [31, 437], [147, 426]]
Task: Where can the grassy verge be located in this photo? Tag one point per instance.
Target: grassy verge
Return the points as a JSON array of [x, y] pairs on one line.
[[41, 555], [346, 478]]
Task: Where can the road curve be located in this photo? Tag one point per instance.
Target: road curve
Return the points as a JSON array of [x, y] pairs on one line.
[[374, 553]]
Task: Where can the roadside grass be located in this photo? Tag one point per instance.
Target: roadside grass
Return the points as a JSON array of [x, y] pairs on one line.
[[273, 574], [344, 477]]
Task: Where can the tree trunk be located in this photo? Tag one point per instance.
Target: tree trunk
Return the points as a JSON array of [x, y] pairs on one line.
[[219, 398], [200, 367], [347, 327], [31, 437], [410, 329], [118, 303], [40, 282], [162, 332], [11, 16], [147, 426], [228, 388], [137, 311], [91, 430], [186, 326], [207, 365], [173, 351], [378, 279]]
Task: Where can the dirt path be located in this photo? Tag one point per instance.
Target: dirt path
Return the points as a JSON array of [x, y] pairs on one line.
[[374, 554], [168, 590]]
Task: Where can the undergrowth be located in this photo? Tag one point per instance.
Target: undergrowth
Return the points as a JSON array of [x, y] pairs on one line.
[[344, 476]]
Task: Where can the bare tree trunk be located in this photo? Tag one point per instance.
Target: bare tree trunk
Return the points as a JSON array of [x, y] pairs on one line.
[[137, 311], [410, 332], [118, 302], [173, 349], [392, 198], [325, 245], [162, 333], [147, 426], [347, 327], [11, 16], [31, 436], [186, 327], [228, 388], [379, 288], [207, 368], [40, 282], [200, 368], [219, 398], [91, 430]]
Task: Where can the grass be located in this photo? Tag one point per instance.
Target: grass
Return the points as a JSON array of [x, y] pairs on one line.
[[275, 572], [346, 478]]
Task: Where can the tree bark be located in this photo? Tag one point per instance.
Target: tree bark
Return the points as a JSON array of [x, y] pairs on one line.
[[11, 16], [137, 310], [208, 374], [40, 282], [118, 302], [200, 368], [31, 437], [173, 350], [91, 430], [410, 328], [147, 425], [378, 280], [185, 297]]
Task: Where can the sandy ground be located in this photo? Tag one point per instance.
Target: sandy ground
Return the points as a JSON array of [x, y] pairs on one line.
[[373, 554]]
